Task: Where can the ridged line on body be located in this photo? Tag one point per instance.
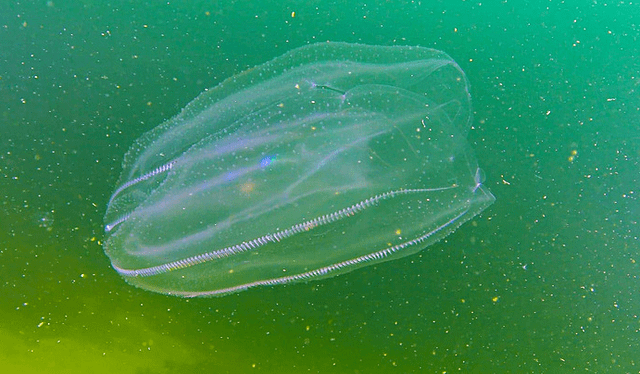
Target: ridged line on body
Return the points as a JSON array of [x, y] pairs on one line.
[[271, 238], [160, 169], [326, 269]]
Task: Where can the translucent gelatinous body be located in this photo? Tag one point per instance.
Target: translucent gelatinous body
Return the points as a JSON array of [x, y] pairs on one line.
[[330, 157]]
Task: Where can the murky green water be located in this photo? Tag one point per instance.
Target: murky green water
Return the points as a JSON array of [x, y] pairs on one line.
[[544, 280]]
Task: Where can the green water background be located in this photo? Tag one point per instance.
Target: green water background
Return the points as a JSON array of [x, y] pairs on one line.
[[545, 280]]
